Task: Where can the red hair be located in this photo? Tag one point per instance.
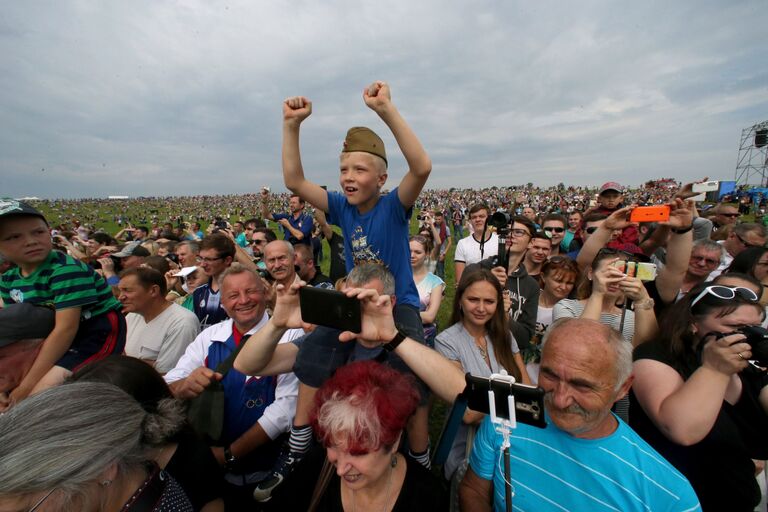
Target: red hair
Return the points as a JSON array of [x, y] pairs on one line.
[[364, 407]]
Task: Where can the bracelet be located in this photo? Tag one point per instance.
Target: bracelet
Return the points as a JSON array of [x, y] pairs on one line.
[[113, 280], [394, 342], [229, 459], [682, 231], [645, 304]]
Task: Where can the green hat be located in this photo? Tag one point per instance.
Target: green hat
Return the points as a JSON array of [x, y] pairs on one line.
[[364, 139]]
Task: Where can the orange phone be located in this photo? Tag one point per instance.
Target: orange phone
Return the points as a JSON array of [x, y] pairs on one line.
[[650, 213]]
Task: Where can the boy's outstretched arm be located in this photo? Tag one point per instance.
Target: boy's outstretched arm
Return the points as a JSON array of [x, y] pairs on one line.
[[295, 110], [378, 98]]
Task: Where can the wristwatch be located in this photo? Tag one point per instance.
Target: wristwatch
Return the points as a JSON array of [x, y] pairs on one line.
[[229, 459], [394, 342]]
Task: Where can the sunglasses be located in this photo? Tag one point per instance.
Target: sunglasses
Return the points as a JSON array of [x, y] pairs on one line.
[[707, 261], [257, 241], [745, 243], [731, 215], [591, 229], [725, 293], [549, 229]]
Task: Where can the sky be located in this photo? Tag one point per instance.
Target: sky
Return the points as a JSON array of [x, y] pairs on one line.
[[160, 98]]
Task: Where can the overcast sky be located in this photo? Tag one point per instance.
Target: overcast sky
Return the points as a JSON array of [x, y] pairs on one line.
[[169, 98]]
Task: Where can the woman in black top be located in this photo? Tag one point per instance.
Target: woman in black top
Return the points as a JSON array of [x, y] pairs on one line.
[[359, 416], [702, 404]]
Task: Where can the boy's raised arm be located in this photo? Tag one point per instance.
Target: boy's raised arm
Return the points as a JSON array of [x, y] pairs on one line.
[[295, 110], [378, 98]]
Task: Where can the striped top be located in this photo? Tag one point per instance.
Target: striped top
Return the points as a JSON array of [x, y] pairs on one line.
[[553, 471], [62, 282]]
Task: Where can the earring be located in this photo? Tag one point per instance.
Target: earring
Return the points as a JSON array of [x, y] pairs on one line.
[[105, 483], [393, 461]]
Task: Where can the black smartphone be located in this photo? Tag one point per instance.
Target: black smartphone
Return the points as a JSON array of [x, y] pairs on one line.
[[330, 308], [529, 400]]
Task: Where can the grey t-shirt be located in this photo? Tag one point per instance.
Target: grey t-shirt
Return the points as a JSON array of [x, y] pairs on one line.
[[162, 340], [456, 344]]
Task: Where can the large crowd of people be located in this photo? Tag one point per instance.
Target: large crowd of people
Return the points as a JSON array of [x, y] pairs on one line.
[[164, 364]]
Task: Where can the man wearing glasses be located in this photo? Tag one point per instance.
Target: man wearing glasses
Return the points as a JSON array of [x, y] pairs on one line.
[[523, 290], [216, 255], [553, 226], [259, 240], [742, 236], [725, 215]]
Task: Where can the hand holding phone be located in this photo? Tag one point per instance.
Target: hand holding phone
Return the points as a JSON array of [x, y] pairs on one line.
[[330, 308], [658, 213]]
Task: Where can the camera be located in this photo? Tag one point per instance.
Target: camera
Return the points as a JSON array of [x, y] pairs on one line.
[[501, 221], [757, 337]]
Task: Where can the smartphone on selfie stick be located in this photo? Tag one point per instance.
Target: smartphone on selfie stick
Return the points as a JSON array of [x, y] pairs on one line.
[[506, 402]]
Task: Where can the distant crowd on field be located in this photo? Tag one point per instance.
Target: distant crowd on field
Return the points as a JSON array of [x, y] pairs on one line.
[[167, 365]]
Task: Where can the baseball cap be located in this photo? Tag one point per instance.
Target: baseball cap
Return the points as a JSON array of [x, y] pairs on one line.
[[364, 139], [131, 249], [25, 321], [10, 207], [611, 185]]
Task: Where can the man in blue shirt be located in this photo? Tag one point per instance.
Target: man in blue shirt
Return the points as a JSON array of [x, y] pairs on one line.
[[586, 458], [296, 225]]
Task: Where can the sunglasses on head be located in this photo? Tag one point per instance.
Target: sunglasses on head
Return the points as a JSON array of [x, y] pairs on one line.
[[556, 230], [726, 293]]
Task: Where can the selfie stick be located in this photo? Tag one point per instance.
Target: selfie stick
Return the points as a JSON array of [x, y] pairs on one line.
[[504, 427]]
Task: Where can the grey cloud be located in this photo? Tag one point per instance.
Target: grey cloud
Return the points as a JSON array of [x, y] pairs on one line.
[[169, 97]]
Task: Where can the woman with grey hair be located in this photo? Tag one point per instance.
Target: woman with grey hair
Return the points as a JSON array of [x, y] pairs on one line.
[[86, 446]]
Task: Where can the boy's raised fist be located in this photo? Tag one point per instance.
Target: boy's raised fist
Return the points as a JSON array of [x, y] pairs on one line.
[[297, 108], [377, 95]]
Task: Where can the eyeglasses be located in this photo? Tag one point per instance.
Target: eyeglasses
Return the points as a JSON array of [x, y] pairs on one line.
[[725, 293], [41, 500], [556, 230], [201, 259], [519, 232], [591, 229], [707, 261], [745, 243]]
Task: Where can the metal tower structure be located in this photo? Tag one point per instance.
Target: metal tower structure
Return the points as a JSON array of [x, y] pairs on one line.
[[752, 163]]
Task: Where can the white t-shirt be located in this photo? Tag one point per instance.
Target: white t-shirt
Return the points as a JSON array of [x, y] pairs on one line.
[[164, 339], [468, 249]]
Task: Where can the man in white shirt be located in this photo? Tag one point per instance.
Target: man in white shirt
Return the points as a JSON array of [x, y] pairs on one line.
[[158, 331], [473, 248]]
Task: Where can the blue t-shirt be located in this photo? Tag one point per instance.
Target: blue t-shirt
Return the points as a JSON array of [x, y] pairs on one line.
[[379, 235], [304, 224], [552, 470]]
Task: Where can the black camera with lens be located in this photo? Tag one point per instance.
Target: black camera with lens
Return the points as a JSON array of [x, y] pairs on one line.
[[501, 221], [757, 337]]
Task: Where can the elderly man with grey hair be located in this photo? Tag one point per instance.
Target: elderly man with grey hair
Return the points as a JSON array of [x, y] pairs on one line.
[[279, 258], [586, 458]]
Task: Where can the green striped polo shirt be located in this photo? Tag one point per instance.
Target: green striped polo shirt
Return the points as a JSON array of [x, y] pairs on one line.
[[63, 282]]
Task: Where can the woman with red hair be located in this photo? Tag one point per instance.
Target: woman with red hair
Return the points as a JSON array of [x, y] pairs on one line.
[[359, 416]]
